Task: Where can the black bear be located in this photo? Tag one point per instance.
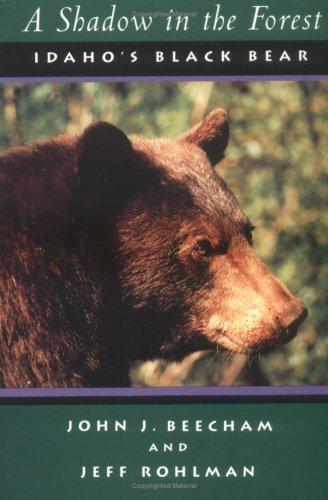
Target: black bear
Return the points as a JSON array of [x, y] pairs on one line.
[[115, 249]]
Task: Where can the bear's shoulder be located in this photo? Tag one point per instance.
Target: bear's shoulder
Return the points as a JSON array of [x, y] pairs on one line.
[[37, 179]]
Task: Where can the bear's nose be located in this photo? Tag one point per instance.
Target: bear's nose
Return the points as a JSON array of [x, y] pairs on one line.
[[292, 318]]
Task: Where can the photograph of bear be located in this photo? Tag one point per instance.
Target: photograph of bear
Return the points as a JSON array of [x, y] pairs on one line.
[[116, 249]]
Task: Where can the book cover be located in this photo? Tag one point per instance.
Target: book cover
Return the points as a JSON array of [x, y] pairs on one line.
[[163, 307]]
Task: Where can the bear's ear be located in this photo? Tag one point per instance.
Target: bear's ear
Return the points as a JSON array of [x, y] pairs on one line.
[[104, 155], [211, 135]]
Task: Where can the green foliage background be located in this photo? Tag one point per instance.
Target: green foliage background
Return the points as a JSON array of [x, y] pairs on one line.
[[277, 164]]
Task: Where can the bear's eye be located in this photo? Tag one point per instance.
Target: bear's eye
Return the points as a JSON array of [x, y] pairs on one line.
[[204, 248]]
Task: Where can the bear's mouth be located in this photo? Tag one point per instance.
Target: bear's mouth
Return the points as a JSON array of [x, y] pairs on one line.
[[282, 336], [237, 344]]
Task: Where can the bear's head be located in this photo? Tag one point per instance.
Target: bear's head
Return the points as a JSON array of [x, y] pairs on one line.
[[179, 244]]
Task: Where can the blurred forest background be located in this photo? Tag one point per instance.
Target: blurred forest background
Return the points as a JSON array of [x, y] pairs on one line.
[[277, 164]]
